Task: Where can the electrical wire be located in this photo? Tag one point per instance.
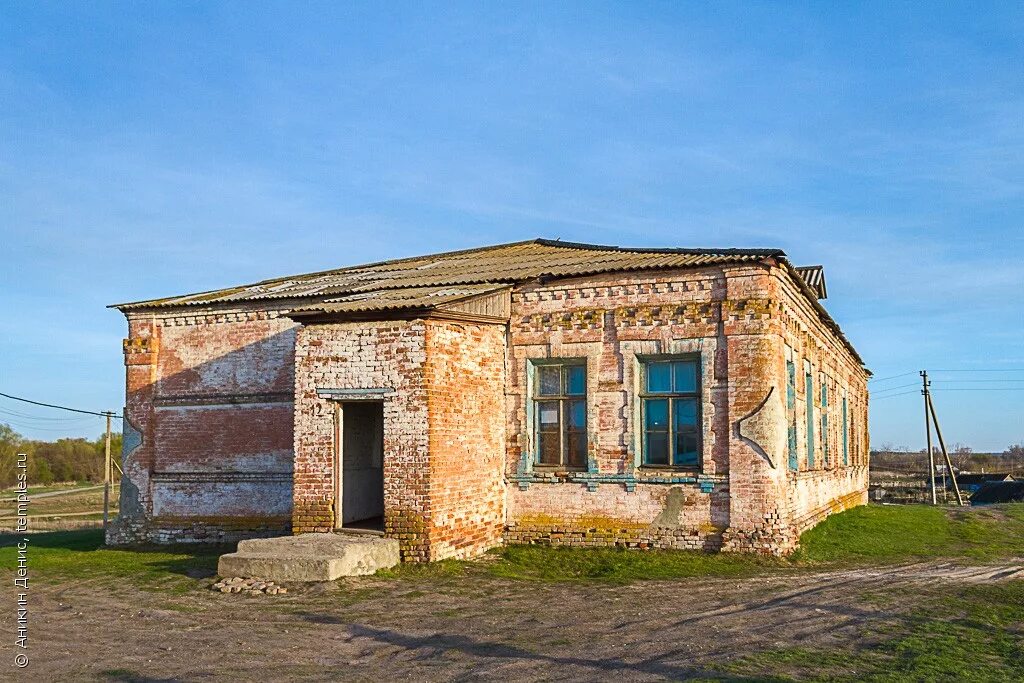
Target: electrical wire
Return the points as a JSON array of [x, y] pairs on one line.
[[975, 381], [48, 430], [902, 386], [945, 389], [905, 393], [12, 413], [59, 407], [985, 370], [882, 379]]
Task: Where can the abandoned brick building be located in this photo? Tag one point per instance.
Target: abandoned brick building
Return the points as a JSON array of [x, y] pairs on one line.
[[538, 391]]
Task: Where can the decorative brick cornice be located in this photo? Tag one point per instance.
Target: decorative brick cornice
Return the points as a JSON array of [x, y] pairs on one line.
[[577, 319], [667, 314]]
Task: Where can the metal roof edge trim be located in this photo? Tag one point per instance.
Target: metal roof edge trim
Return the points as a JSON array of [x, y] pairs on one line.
[[822, 311]]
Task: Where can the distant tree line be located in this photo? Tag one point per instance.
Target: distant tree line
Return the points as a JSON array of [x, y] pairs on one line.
[[54, 461], [901, 459]]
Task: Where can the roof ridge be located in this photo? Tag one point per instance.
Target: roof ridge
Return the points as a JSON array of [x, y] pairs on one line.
[[661, 250], [317, 273], [404, 259], [263, 288]]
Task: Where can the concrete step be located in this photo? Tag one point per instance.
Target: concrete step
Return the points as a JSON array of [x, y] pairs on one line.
[[310, 557]]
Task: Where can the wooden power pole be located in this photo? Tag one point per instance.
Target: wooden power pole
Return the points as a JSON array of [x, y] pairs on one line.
[[945, 453], [928, 436], [106, 478]]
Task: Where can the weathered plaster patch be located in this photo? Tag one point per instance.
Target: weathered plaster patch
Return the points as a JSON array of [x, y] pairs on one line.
[[764, 428]]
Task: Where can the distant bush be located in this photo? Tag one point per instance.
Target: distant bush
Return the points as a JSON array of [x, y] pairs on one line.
[[50, 461]]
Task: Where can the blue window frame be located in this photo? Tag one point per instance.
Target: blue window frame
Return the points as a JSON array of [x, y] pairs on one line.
[[560, 414], [794, 460], [846, 436], [670, 407], [809, 396], [824, 421]]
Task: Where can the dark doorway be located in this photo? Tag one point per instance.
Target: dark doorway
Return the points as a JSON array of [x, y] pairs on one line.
[[362, 465]]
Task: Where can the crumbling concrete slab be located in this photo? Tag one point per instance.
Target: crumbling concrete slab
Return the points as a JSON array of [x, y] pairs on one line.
[[310, 557]]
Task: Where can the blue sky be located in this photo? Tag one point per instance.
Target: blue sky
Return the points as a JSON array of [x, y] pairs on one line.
[[149, 149]]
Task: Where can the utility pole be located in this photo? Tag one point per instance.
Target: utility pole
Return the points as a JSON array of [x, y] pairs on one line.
[[928, 435], [945, 453], [106, 477]]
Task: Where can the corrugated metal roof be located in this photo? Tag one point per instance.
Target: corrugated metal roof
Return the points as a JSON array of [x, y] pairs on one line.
[[504, 263], [814, 276], [436, 279], [399, 299]]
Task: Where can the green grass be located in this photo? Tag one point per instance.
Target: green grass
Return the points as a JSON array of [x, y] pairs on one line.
[[975, 634], [864, 535], [541, 563], [59, 555], [898, 533]]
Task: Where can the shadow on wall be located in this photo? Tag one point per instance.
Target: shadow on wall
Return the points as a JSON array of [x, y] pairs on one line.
[[208, 444]]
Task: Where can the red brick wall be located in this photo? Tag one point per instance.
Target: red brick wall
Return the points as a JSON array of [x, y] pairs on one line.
[[210, 395], [465, 383], [443, 429], [733, 318], [812, 493], [610, 321], [227, 402], [385, 355]]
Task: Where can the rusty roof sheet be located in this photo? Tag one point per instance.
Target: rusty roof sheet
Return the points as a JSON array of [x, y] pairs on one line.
[[503, 263], [814, 276], [428, 280], [400, 299]]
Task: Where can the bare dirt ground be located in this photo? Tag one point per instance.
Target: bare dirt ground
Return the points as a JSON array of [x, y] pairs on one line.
[[473, 628]]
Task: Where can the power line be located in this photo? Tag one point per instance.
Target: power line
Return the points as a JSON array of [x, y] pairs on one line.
[[974, 381], [40, 418], [905, 393], [48, 430], [985, 370], [901, 386], [981, 389], [882, 379], [51, 405]]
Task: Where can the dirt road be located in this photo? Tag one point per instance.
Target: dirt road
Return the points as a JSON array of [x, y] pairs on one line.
[[458, 628]]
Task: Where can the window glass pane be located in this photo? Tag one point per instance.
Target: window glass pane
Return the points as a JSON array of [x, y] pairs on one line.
[[577, 414], [576, 380], [684, 376], [549, 380], [577, 453], [550, 447], [548, 411], [656, 452], [659, 377], [656, 414], [685, 410], [686, 449]]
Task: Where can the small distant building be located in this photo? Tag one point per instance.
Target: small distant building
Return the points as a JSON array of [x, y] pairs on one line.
[[969, 483], [999, 492], [534, 392]]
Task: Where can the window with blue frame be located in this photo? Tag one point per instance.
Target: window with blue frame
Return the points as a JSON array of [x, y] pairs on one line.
[[824, 421], [846, 436], [809, 398], [671, 413], [794, 459], [560, 414]]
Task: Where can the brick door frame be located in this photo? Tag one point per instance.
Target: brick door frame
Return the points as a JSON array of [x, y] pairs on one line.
[[338, 454]]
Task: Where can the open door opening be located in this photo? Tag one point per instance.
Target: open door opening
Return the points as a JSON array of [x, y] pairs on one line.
[[360, 478]]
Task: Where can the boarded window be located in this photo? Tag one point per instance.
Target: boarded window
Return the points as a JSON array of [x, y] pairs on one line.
[[560, 410], [671, 413]]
